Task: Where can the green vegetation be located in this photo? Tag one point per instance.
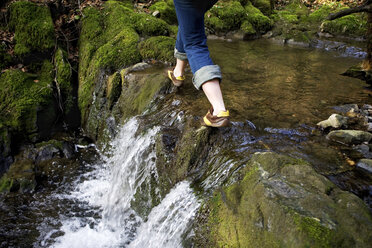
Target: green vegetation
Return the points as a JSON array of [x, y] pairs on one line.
[[33, 26], [228, 16], [5, 58], [22, 95], [158, 47], [166, 10]]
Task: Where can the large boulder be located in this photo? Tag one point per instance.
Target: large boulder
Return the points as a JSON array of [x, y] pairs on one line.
[[33, 27], [283, 202]]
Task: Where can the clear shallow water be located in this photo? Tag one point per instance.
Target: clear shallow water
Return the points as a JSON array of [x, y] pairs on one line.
[[276, 95]]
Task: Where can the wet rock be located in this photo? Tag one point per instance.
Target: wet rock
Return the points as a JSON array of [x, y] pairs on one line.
[[335, 121], [364, 150], [349, 137], [46, 153], [281, 200], [139, 67], [346, 108], [365, 164], [20, 177]]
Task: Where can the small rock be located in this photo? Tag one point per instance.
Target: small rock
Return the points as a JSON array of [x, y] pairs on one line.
[[346, 108], [367, 107], [369, 126], [365, 164], [156, 13], [139, 67], [46, 152], [268, 35], [349, 137], [335, 121]]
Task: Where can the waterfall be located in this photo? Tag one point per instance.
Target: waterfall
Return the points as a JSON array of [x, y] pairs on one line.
[[109, 191]]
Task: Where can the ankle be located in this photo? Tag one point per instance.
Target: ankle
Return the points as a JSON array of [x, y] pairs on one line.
[[177, 73], [217, 111]]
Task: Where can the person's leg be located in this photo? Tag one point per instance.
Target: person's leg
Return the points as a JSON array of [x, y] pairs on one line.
[[180, 55], [207, 75]]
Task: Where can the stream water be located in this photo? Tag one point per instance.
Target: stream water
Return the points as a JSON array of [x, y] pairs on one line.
[[276, 94]]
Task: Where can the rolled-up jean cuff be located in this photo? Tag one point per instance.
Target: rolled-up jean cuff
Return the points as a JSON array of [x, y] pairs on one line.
[[179, 55], [205, 74]]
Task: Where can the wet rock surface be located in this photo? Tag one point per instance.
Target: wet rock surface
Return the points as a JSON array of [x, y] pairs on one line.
[[283, 201]]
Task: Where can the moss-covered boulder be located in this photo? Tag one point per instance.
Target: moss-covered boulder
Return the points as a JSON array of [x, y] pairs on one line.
[[260, 22], [225, 16], [350, 25], [108, 43], [265, 6], [23, 98], [158, 48], [283, 202], [166, 10], [33, 27]]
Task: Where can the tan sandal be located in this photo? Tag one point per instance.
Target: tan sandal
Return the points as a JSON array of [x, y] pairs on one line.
[[177, 81]]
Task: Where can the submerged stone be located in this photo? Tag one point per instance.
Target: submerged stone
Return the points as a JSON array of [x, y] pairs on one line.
[[365, 164], [349, 137]]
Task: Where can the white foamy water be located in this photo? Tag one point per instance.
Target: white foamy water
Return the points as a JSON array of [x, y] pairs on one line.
[[168, 221], [108, 192]]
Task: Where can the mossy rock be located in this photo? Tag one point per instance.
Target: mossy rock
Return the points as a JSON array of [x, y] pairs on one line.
[[260, 22], [106, 42], [33, 26], [263, 5], [149, 25], [225, 16], [158, 47], [20, 177], [354, 25], [22, 96], [283, 202], [166, 10]]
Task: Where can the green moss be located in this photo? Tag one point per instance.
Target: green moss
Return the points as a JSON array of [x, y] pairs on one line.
[[247, 27], [354, 24], [33, 26], [159, 48], [21, 97], [321, 13], [286, 16], [20, 176], [230, 14], [107, 41], [6, 183], [113, 88], [136, 97], [55, 143], [319, 235], [167, 12], [260, 22], [263, 5], [297, 7], [5, 58], [173, 30], [148, 25]]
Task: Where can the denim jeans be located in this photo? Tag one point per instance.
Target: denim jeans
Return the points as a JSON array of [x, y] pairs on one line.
[[191, 43]]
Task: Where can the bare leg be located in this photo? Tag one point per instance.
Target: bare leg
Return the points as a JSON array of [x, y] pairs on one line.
[[213, 92], [179, 70]]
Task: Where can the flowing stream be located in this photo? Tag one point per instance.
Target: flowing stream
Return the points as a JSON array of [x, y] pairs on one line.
[[112, 199]]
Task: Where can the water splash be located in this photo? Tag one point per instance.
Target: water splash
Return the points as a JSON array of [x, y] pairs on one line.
[[109, 191]]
